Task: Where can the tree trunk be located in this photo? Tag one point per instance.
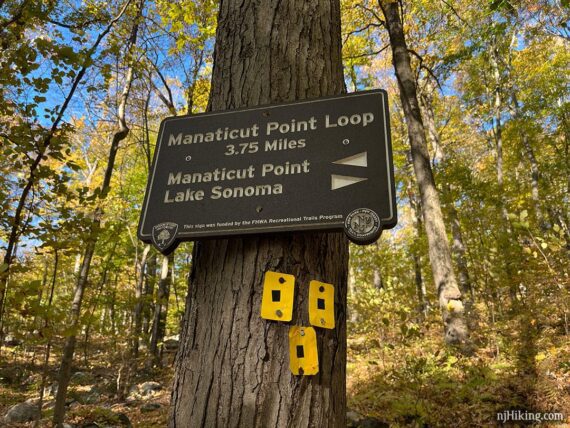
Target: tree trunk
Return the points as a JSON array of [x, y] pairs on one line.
[[534, 169], [139, 298], [40, 296], [161, 309], [232, 368], [82, 280], [96, 302], [504, 240], [460, 256], [190, 91], [497, 125], [426, 98], [113, 310], [352, 316], [450, 298], [415, 211], [377, 279], [147, 309], [69, 347], [45, 332], [458, 247]]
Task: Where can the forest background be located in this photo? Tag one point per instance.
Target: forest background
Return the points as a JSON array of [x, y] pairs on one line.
[[84, 86]]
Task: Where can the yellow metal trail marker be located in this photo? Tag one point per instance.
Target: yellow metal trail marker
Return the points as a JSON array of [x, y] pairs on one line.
[[278, 293], [303, 354], [321, 304]]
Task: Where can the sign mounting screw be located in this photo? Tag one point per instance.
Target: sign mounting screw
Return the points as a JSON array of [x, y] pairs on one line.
[[188, 158], [346, 141]]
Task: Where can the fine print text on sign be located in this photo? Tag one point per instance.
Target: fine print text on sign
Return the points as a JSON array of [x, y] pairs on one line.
[[323, 164]]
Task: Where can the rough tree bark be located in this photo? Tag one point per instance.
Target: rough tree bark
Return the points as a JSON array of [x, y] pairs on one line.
[[82, 280], [232, 368], [449, 295]]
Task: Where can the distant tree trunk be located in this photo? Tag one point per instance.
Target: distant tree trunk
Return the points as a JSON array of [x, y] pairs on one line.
[[498, 125], [534, 169], [415, 208], [46, 332], [148, 307], [351, 313], [458, 247], [112, 309], [428, 115], [420, 285], [96, 301], [450, 298], [377, 275], [504, 239], [161, 309], [190, 91], [139, 299], [82, 280], [41, 294], [77, 266], [459, 252], [232, 368], [69, 347], [377, 279]]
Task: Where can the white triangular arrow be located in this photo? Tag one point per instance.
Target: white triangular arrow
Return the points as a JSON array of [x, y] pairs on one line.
[[361, 159], [338, 181]]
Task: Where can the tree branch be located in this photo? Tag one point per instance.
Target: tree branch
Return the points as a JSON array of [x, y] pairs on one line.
[[456, 13], [371, 11], [358, 30], [368, 53], [425, 67]]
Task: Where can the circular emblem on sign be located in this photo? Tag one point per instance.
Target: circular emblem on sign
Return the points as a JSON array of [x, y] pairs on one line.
[[363, 226]]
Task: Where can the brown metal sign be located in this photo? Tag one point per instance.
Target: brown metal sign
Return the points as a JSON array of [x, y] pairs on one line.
[[322, 164]]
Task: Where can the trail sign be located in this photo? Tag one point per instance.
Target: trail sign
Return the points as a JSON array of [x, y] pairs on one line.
[[322, 164]]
